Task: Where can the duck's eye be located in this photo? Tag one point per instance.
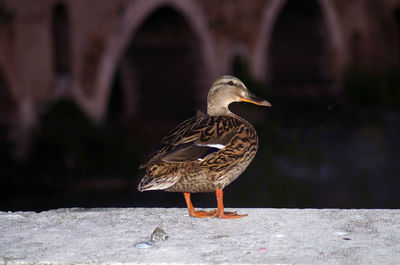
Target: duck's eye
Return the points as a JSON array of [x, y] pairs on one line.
[[230, 83]]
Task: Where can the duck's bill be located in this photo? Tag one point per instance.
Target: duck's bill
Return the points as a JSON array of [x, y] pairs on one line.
[[256, 100]]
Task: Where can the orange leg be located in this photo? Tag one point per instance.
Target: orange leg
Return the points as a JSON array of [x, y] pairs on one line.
[[194, 213], [219, 213], [220, 210]]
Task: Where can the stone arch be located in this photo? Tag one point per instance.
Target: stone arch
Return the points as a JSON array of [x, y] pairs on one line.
[[335, 40], [162, 66], [134, 14]]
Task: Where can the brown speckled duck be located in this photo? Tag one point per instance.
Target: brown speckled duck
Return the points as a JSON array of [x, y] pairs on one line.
[[207, 152]]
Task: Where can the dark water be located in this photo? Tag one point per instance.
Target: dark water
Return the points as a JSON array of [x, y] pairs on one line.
[[308, 157]]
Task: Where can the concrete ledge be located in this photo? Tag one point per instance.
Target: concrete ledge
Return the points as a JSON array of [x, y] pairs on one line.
[[87, 236]]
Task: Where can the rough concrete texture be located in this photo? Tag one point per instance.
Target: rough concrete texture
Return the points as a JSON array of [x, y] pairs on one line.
[[87, 236]]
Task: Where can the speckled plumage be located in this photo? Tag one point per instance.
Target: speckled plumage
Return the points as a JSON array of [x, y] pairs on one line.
[[207, 152], [183, 162]]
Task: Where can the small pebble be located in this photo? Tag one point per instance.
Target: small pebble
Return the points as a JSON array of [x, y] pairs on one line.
[[144, 244], [158, 235]]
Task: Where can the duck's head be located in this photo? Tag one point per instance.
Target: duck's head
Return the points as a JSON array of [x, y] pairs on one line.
[[228, 89]]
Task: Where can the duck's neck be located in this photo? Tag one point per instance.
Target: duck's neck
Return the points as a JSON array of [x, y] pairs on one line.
[[218, 110]]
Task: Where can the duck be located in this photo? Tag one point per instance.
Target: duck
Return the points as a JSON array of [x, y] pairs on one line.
[[207, 152]]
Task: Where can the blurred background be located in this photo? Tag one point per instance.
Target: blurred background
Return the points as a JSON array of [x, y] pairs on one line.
[[87, 88]]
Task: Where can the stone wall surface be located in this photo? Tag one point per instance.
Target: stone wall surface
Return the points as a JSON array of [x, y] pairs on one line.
[[125, 235]]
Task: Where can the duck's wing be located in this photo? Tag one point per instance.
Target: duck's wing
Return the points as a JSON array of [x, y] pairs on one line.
[[194, 139], [206, 136]]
